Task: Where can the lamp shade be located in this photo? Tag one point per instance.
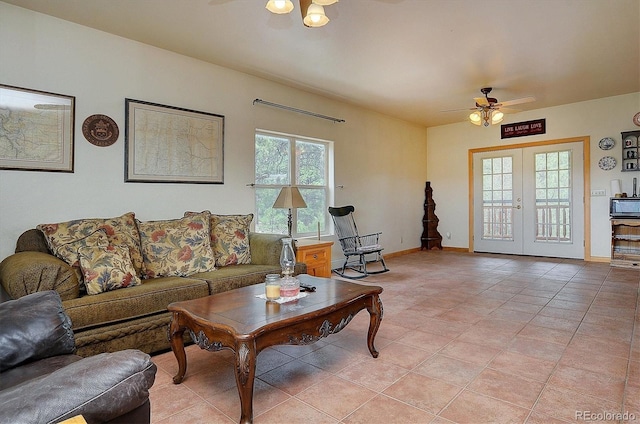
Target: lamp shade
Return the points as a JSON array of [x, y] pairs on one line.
[[279, 6], [325, 2], [289, 198], [314, 16], [496, 117], [476, 118], [616, 188]]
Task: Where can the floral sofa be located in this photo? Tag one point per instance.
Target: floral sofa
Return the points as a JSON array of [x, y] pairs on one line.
[[116, 276]]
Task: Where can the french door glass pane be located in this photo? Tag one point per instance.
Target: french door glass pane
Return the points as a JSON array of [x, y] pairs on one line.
[[553, 200], [497, 198]]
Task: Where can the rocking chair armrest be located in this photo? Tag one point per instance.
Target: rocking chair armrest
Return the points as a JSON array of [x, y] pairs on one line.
[[369, 239], [349, 238]]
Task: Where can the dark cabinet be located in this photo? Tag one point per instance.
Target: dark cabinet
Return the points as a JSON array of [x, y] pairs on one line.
[[431, 238]]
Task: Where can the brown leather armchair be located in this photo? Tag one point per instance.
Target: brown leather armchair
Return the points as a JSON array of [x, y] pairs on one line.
[[43, 381]]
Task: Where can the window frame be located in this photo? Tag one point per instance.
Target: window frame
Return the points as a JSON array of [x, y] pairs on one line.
[[326, 226]]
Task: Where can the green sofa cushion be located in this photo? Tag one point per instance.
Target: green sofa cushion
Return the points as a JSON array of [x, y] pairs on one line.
[[152, 297], [236, 276]]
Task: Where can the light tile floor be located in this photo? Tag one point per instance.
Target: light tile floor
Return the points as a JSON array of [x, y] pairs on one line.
[[465, 338]]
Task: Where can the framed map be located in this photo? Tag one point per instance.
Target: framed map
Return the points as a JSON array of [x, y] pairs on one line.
[[36, 130], [166, 144]]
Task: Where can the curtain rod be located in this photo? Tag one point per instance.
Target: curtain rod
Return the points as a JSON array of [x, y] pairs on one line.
[[293, 109]]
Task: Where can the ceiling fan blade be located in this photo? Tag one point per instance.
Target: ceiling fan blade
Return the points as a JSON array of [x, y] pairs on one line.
[[482, 101], [509, 110], [460, 110], [518, 101]]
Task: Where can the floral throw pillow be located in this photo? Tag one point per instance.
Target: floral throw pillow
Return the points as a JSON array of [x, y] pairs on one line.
[[69, 252], [230, 238], [120, 230], [179, 247], [107, 268]]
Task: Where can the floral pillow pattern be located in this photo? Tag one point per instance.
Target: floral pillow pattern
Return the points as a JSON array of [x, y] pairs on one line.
[[230, 238], [121, 230], [107, 268], [179, 247], [69, 252]]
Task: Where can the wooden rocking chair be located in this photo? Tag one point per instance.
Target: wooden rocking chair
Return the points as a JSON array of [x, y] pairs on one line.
[[355, 247]]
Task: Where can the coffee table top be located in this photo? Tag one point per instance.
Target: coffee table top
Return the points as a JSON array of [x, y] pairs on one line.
[[243, 313]]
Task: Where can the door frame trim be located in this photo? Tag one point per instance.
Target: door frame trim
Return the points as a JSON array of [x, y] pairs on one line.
[[586, 175]]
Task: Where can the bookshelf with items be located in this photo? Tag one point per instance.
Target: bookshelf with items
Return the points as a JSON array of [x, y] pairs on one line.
[[630, 151]]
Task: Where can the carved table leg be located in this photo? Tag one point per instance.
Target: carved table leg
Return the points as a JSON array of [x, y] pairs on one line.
[[246, 356], [176, 330], [375, 318]]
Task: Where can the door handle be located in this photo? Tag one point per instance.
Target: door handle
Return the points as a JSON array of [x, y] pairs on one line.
[[517, 207]]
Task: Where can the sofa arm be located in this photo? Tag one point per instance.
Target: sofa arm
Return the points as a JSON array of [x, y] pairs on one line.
[[29, 272], [100, 388], [265, 248], [33, 327]]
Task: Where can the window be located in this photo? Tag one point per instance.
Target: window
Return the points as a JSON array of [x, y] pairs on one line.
[[282, 160]]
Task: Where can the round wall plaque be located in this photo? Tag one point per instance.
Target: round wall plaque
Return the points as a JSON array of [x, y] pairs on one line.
[[100, 130]]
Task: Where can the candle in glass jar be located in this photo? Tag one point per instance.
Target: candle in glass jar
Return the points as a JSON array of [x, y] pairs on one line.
[[273, 291], [272, 286]]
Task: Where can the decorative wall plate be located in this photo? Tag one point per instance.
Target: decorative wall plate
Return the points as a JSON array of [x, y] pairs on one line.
[[100, 130], [636, 119], [607, 143], [607, 163]]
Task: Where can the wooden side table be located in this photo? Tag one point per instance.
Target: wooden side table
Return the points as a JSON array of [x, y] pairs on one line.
[[316, 254]]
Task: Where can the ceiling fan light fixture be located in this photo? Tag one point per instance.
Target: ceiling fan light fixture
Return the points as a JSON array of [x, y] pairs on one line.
[[476, 118], [279, 6], [315, 16], [496, 117]]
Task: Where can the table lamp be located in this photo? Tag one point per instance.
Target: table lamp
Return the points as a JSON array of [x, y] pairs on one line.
[[289, 198]]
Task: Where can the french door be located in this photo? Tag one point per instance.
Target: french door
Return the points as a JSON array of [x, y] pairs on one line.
[[529, 201]]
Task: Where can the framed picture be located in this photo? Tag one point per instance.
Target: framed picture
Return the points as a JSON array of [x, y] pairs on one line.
[[37, 130], [166, 144]]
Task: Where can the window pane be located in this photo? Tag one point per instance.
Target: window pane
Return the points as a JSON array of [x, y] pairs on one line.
[[272, 160], [497, 198], [309, 217], [268, 219], [310, 160], [553, 203]]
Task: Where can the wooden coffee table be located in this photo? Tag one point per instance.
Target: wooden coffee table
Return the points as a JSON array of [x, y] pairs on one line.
[[246, 324]]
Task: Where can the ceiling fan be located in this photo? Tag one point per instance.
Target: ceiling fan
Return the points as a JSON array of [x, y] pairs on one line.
[[489, 111]]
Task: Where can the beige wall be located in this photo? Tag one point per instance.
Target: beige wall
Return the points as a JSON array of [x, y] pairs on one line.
[[449, 175], [380, 161]]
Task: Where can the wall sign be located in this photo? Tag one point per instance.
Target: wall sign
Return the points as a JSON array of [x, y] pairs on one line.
[[100, 130], [521, 129]]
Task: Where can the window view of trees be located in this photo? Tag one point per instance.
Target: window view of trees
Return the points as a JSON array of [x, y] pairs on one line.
[[282, 160]]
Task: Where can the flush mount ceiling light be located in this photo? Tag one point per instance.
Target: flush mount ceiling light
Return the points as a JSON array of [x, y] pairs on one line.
[[312, 10]]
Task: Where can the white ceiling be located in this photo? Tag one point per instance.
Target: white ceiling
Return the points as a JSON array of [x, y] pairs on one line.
[[410, 59]]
